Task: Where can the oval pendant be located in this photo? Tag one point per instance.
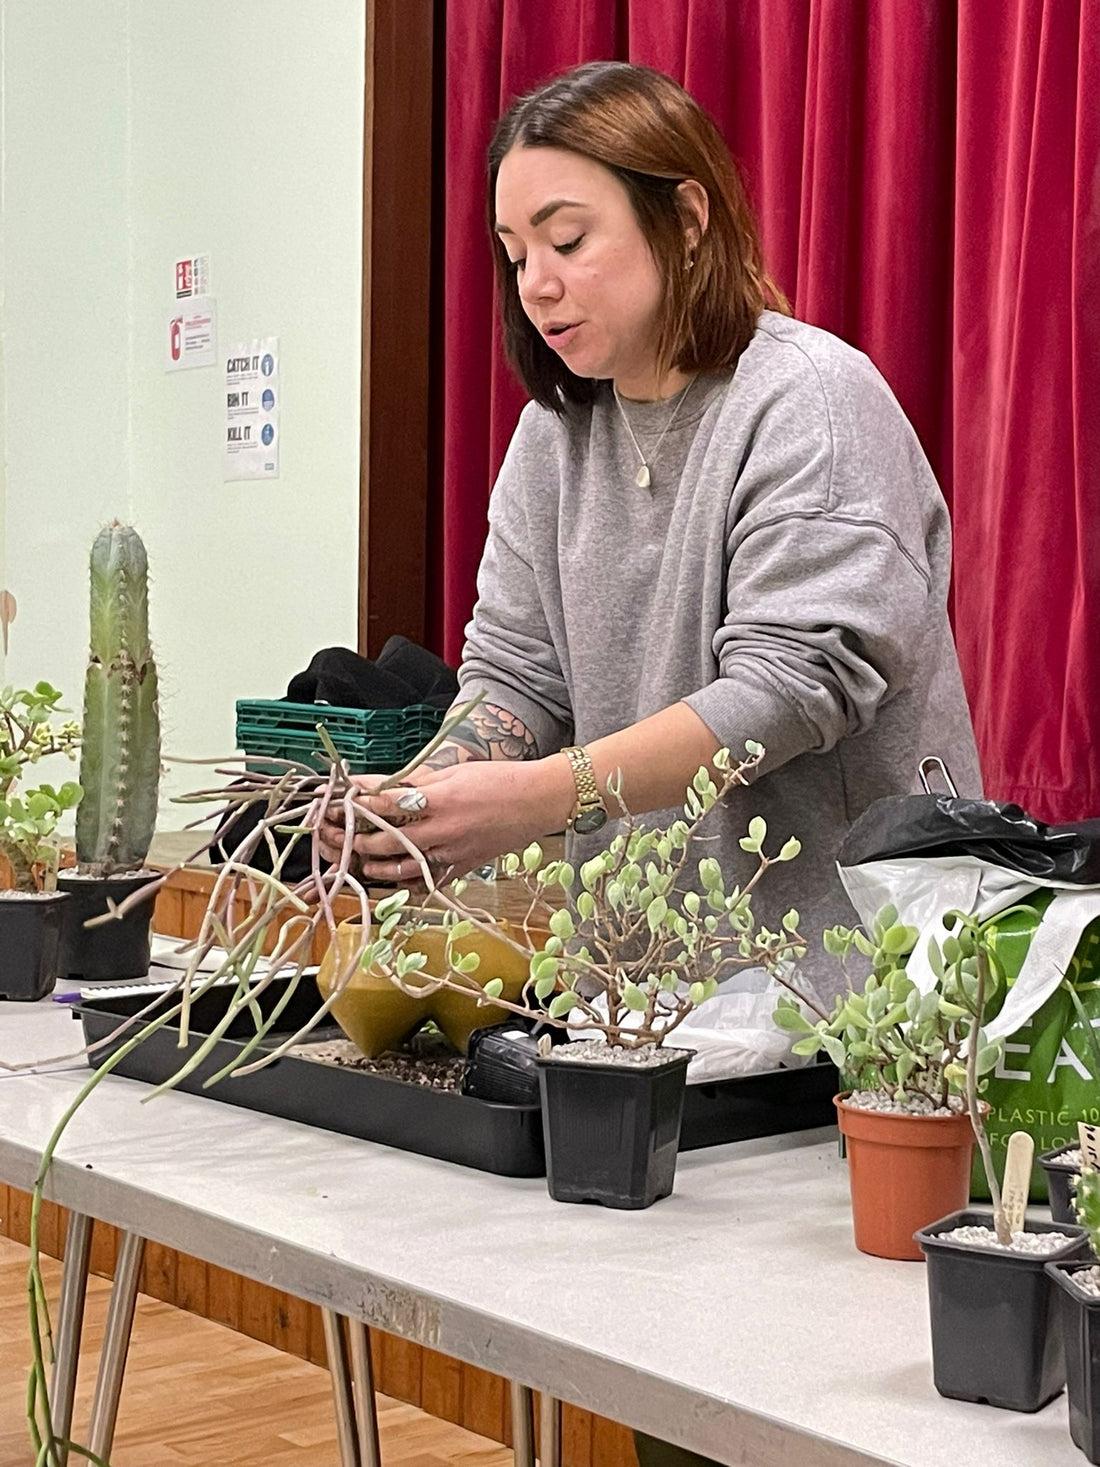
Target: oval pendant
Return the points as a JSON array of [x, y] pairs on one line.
[[641, 478]]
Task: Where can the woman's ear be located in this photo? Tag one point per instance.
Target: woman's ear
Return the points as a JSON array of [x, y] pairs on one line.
[[692, 197]]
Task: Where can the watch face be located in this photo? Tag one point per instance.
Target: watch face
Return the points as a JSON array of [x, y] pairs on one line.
[[589, 821]]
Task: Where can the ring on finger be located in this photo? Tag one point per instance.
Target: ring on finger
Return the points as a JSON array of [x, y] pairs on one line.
[[412, 801]]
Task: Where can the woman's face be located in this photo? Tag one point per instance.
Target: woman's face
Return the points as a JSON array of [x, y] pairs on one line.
[[583, 267]]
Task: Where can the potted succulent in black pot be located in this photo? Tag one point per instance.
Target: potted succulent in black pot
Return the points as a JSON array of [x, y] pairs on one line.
[[991, 1299], [633, 952], [119, 770], [31, 906], [1061, 1167], [1078, 1294]]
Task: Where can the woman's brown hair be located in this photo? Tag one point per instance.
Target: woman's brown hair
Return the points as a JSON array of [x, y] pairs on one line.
[[652, 136]]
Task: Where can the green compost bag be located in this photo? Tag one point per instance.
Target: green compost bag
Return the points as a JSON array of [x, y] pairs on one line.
[[1048, 1077]]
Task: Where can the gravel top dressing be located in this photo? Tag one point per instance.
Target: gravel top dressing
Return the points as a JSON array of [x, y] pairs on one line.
[[912, 1105], [431, 1072], [598, 1051], [1072, 1158], [1088, 1280], [980, 1237]]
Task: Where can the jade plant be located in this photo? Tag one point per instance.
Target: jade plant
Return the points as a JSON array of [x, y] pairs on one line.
[[892, 1038], [31, 729], [120, 758], [635, 947]]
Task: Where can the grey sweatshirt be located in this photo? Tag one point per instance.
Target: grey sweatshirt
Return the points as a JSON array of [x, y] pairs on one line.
[[785, 575]]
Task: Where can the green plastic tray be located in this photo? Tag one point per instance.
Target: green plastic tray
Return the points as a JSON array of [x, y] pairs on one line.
[[372, 740]]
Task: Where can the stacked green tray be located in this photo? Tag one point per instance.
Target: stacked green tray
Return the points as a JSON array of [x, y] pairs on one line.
[[372, 740]]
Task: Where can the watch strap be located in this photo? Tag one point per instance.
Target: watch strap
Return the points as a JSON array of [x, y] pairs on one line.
[[584, 778]]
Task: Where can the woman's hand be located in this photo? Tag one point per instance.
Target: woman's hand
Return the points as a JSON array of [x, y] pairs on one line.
[[472, 813]]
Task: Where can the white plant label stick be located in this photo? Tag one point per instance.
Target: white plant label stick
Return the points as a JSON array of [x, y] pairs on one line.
[[1090, 1143], [1017, 1184]]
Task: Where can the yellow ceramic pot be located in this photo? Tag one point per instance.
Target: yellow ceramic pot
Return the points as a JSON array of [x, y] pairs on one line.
[[376, 1015]]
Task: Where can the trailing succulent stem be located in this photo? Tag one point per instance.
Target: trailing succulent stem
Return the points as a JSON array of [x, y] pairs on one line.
[[120, 760]]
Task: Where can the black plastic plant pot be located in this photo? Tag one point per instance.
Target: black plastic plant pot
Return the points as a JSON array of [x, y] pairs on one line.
[[114, 950], [30, 937], [1080, 1319], [994, 1336], [1059, 1175], [611, 1131]]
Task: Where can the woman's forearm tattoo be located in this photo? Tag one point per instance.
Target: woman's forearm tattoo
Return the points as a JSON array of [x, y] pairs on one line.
[[489, 733]]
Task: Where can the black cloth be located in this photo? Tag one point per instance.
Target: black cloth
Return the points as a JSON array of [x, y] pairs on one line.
[[402, 674]]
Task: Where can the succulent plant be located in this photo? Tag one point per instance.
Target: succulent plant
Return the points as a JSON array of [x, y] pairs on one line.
[[30, 731], [1087, 1204], [120, 759], [637, 937], [893, 1038], [889, 1036]]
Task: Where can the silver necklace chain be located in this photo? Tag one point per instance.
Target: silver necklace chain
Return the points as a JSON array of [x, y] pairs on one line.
[[644, 478]]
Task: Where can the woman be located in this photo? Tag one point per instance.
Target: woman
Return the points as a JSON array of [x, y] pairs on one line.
[[713, 524]]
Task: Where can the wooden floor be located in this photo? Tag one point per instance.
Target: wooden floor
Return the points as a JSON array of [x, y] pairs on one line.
[[200, 1395]]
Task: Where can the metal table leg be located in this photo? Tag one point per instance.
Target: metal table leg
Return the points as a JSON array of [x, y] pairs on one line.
[[70, 1323], [116, 1343], [341, 1389], [352, 1391], [549, 1430], [362, 1385], [523, 1424]]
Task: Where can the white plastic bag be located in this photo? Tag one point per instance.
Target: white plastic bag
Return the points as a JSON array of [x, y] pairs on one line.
[[733, 1033]]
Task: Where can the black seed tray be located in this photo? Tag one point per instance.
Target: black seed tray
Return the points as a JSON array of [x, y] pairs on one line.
[[488, 1135]]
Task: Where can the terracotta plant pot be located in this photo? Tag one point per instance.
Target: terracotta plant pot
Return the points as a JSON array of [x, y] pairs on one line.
[[904, 1172], [376, 1015]]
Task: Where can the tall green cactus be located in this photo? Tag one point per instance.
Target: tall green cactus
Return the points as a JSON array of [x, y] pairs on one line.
[[120, 757]]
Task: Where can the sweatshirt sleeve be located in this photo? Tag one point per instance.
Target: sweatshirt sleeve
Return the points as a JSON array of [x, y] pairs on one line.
[[828, 581], [509, 653]]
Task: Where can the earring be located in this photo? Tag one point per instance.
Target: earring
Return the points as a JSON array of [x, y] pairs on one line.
[[690, 261]]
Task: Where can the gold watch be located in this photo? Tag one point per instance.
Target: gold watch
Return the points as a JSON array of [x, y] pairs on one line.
[[590, 812]]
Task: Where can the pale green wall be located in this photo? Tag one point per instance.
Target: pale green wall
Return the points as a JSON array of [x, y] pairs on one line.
[[135, 131]]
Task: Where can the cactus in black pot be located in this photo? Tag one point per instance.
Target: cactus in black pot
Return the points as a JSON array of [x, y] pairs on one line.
[[119, 766]]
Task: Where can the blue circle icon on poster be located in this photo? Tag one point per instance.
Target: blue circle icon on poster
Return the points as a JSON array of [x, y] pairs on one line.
[[267, 433], [268, 399], [267, 366]]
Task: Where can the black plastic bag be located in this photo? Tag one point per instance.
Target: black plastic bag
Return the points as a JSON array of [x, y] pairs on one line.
[[953, 825]]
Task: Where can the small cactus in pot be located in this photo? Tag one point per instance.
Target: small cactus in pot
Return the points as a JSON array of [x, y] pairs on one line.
[[119, 766]]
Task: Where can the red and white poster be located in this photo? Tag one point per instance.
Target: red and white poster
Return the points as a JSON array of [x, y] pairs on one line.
[[191, 339], [192, 277]]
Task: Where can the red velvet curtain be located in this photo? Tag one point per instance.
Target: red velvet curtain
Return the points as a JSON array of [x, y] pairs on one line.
[[927, 175]]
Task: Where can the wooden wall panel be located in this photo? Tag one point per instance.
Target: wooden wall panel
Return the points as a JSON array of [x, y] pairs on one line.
[[290, 1324], [441, 1386], [612, 1444], [483, 1402], [191, 1287], [397, 290]]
